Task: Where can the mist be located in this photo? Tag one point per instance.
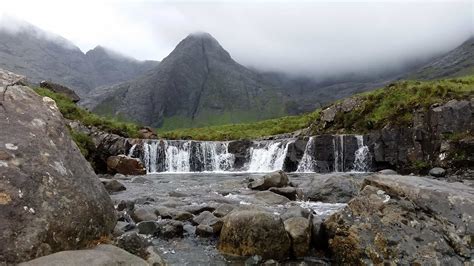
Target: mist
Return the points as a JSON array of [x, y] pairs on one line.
[[318, 38]]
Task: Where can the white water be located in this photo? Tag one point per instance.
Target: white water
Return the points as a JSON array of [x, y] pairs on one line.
[[338, 153], [268, 156], [308, 162], [132, 149], [362, 156]]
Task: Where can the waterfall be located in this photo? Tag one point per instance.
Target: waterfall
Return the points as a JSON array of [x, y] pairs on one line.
[[307, 163], [362, 156], [132, 149], [338, 153], [268, 156]]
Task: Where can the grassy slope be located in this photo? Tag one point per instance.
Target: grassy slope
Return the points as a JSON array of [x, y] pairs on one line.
[[392, 104]]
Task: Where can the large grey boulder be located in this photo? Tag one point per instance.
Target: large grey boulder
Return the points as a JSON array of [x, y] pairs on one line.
[[50, 198], [101, 255], [331, 188], [404, 219], [275, 179], [254, 232], [299, 229]]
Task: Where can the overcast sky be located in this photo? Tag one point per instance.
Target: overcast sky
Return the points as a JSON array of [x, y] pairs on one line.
[[311, 37]]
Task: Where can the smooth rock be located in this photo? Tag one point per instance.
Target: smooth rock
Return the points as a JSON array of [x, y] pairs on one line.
[[271, 198], [101, 255], [288, 192], [253, 232], [154, 259], [223, 210], [299, 230], [388, 172], [171, 228], [141, 180], [112, 185], [275, 179], [207, 218], [144, 214], [295, 211], [134, 243], [332, 188], [148, 228], [437, 172], [125, 165], [204, 230]]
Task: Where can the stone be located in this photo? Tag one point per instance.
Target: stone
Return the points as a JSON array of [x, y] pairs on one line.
[[288, 192], [275, 179], [134, 243], [299, 230], [121, 228], [223, 209], [204, 230], [58, 88], [317, 235], [254, 232], [144, 214], [207, 218], [127, 205], [295, 211], [331, 188], [404, 218], [47, 186], [253, 260], [271, 198], [101, 255], [154, 259], [437, 172], [197, 209], [148, 228], [147, 133], [125, 165], [170, 228], [388, 172], [144, 200], [141, 180], [112, 185]]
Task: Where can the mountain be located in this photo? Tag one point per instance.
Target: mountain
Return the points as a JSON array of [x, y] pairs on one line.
[[40, 55], [197, 84], [456, 63]]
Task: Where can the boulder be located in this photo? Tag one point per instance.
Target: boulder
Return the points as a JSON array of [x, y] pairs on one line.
[[127, 205], [223, 209], [299, 229], [148, 228], [134, 243], [254, 232], [112, 185], [288, 192], [437, 172], [407, 219], [144, 214], [271, 198], [101, 255], [204, 230], [58, 88], [154, 259], [275, 179], [47, 187], [295, 211], [125, 165], [332, 188], [171, 228], [388, 172], [207, 218]]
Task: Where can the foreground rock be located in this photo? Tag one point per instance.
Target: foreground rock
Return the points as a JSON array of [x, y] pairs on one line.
[[275, 179], [406, 220], [125, 165], [102, 255], [253, 232], [299, 230], [334, 188], [50, 198]]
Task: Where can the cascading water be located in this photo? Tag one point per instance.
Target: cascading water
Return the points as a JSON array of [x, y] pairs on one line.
[[338, 142], [268, 156], [362, 156], [308, 162], [132, 149]]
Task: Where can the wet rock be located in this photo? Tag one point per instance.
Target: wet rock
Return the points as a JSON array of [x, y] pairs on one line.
[[240, 149], [112, 185], [332, 188], [141, 180], [288, 192], [197, 209], [181, 215], [120, 228], [223, 210], [271, 262], [299, 230], [404, 218], [437, 172], [253, 232], [154, 259], [134, 243], [317, 236], [148, 227], [125, 165], [144, 214], [207, 218], [121, 177], [295, 211], [275, 179], [127, 205], [58, 88], [253, 260], [388, 172], [204, 230], [47, 187], [171, 228], [294, 154], [144, 200], [271, 198], [101, 255]]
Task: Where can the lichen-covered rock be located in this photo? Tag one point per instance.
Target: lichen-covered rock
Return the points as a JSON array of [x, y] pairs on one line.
[[275, 179], [125, 165], [254, 232], [406, 220], [50, 198], [299, 229]]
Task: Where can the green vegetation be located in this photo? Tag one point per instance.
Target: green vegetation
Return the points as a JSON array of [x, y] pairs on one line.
[[73, 112], [84, 142]]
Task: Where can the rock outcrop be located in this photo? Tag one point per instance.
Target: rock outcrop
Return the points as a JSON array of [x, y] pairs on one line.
[[58, 88], [125, 165], [275, 179], [50, 197], [404, 220]]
